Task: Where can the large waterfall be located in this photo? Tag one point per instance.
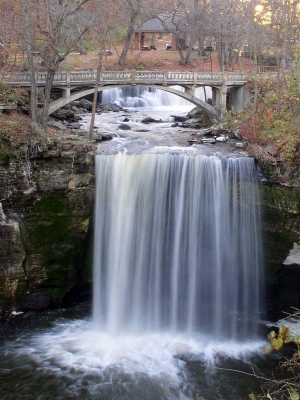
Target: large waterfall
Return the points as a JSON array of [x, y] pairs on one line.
[[177, 245]]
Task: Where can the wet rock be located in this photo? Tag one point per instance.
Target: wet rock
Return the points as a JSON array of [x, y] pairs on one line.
[[110, 107], [150, 120], [179, 118], [124, 127], [103, 137], [57, 124], [86, 104], [97, 138], [74, 125], [77, 118], [63, 114], [107, 136], [197, 118], [37, 301]]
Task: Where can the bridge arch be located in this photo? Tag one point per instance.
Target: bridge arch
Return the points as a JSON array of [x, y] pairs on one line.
[[59, 103]]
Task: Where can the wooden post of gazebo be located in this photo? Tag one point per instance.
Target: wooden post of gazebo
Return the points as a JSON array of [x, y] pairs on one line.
[[136, 41], [174, 44]]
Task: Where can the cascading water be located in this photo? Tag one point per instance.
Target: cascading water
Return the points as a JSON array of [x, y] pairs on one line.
[[141, 96], [177, 245]]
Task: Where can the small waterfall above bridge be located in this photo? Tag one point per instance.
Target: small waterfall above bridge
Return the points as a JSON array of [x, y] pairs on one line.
[[177, 245], [142, 96]]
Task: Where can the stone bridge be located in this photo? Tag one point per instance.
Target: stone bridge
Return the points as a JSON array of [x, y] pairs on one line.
[[73, 85]]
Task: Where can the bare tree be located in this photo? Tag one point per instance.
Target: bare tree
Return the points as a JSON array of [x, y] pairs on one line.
[[58, 41], [29, 36], [133, 9]]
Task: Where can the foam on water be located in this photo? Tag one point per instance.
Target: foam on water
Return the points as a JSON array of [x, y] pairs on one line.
[[77, 351]]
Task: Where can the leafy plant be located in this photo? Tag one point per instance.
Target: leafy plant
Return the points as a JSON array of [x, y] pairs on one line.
[[288, 388], [5, 156]]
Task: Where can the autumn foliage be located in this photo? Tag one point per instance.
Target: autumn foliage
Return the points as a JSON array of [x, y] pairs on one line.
[[276, 122]]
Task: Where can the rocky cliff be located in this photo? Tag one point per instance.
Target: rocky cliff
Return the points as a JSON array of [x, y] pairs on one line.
[[280, 198], [45, 218], [47, 197]]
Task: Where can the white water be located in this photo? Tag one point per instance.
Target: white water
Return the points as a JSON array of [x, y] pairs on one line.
[[140, 96], [74, 360]]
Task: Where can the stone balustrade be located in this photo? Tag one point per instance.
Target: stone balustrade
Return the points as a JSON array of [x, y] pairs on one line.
[[82, 78]]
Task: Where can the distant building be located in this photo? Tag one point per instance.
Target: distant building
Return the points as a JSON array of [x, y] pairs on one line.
[[159, 25]]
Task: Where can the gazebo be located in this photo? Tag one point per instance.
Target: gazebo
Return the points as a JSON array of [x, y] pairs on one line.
[[160, 24]]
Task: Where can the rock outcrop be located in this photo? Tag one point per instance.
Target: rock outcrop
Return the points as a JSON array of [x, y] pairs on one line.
[[44, 222]]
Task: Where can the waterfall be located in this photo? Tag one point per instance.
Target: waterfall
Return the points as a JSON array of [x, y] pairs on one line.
[[142, 96], [177, 245], [176, 289]]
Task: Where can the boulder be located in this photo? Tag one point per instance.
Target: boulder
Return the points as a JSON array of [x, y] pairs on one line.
[[74, 125], [198, 118], [124, 127], [110, 107], [178, 118], [150, 120], [86, 104], [57, 124], [77, 118], [107, 136], [63, 114]]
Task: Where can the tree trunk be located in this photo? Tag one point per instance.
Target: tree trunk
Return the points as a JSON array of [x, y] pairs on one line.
[[48, 87], [255, 96], [80, 44], [31, 65], [201, 45], [95, 95], [130, 31]]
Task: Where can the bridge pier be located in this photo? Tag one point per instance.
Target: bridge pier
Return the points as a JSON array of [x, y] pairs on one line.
[[66, 92], [219, 98], [190, 90], [239, 97]]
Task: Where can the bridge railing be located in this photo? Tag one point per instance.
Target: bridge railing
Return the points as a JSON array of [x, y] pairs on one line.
[[69, 78]]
